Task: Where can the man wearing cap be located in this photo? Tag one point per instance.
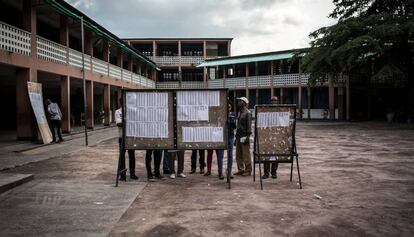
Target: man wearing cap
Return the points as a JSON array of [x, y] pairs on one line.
[[243, 132]]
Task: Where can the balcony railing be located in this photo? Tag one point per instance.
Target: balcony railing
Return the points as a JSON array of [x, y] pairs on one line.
[[192, 60], [184, 85], [15, 40]]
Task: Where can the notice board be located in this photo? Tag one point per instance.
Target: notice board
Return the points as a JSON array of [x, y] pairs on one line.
[[36, 100], [275, 131], [175, 119]]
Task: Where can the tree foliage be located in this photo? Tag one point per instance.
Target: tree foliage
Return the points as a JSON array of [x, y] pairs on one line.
[[371, 35]]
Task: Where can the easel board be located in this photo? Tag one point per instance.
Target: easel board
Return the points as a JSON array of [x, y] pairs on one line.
[[275, 126]]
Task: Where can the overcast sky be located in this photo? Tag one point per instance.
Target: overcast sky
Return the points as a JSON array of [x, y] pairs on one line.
[[256, 25]]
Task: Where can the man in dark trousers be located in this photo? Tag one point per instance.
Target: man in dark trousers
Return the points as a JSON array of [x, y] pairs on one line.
[[243, 132], [266, 165], [55, 117], [131, 153], [157, 163], [201, 160]]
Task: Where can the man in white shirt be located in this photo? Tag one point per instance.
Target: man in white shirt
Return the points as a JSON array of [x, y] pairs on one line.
[[131, 153], [55, 118]]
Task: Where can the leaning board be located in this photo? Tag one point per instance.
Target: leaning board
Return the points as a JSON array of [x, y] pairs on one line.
[[201, 119], [275, 125], [148, 119]]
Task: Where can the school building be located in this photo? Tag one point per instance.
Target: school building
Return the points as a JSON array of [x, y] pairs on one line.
[[40, 41]]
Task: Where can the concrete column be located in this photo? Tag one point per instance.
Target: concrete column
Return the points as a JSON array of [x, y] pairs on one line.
[[340, 103], [107, 103], [257, 96], [205, 49], [154, 51], [348, 100], [331, 97], [65, 102], [119, 95], [88, 42], [179, 51], [246, 80], [309, 102], [25, 120], [205, 77], [89, 103], [30, 23], [229, 48], [105, 45], [272, 85], [64, 34], [119, 58], [281, 95]]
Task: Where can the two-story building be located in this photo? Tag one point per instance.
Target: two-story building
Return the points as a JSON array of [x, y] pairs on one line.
[[40, 41]]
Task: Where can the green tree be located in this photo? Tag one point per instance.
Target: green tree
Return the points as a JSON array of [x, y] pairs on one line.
[[373, 39]]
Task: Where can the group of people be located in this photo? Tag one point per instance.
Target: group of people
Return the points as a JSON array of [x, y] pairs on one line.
[[239, 133]]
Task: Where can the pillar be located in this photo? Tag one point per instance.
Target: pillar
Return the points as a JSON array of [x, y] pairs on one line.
[[247, 80], [107, 103], [281, 95], [30, 23], [119, 58], [89, 104], [348, 100], [331, 89], [272, 84], [65, 102], [309, 102], [64, 34], [340, 103], [154, 51], [25, 120], [300, 92], [205, 49], [257, 96], [105, 49]]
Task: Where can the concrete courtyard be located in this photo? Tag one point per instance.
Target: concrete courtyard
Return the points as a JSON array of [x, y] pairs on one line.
[[358, 180]]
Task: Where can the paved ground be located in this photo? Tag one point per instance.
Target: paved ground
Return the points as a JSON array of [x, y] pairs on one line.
[[13, 154], [364, 174]]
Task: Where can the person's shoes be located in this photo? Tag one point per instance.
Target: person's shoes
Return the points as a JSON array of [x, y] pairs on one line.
[[133, 176], [274, 176], [61, 140], [123, 178], [181, 175], [172, 176], [220, 176], [192, 171], [53, 142], [158, 176], [265, 176], [151, 178], [208, 173], [239, 173], [201, 171], [166, 172], [246, 174]]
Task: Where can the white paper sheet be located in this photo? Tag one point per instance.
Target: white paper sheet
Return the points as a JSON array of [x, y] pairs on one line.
[[192, 113], [202, 134], [204, 98], [37, 105], [147, 114], [273, 119]]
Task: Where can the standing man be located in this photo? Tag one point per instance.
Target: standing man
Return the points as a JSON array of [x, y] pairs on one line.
[[55, 117], [200, 160], [231, 125], [157, 163], [131, 153], [266, 165], [243, 132]]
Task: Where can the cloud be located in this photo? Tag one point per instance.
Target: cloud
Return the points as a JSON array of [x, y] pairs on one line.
[[255, 25]]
